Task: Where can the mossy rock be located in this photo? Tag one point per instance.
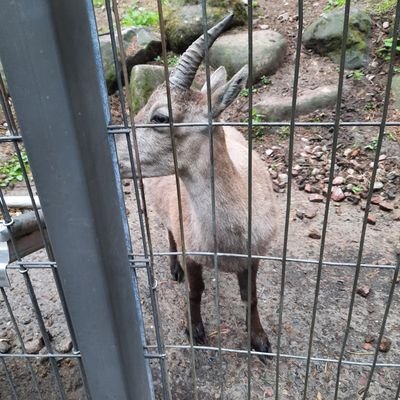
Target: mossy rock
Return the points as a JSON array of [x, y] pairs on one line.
[[144, 80], [325, 36], [183, 20], [141, 46]]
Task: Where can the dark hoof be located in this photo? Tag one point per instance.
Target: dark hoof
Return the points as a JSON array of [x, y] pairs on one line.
[[199, 334], [261, 343], [177, 272]]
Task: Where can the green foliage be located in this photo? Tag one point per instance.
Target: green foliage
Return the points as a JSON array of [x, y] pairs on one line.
[[98, 3], [139, 16], [245, 92], [357, 189], [374, 142], [284, 132], [11, 170], [368, 106], [172, 60], [258, 131], [383, 7], [386, 49], [357, 75], [334, 4], [372, 145], [265, 80]]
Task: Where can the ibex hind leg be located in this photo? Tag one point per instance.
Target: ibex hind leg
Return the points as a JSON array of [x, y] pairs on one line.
[[196, 289], [175, 266], [259, 339]]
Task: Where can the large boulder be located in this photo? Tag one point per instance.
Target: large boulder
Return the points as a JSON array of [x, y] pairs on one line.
[[183, 19], [231, 51], [277, 108], [325, 36], [141, 46], [144, 80]]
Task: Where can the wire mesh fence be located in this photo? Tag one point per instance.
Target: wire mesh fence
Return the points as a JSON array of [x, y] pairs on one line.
[[325, 337]]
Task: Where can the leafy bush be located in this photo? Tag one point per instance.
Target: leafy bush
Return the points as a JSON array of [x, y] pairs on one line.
[[11, 170], [138, 16]]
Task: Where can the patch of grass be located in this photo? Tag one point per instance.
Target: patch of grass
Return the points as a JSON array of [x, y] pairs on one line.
[[384, 6], [334, 4], [172, 60], [139, 16], [265, 80], [11, 170], [98, 3]]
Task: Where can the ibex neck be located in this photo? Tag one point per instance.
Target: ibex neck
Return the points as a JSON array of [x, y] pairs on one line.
[[197, 177]]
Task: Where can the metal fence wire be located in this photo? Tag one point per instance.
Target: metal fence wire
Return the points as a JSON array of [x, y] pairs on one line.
[[325, 338]]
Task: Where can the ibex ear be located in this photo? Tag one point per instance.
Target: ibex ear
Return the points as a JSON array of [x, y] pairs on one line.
[[217, 79], [226, 94]]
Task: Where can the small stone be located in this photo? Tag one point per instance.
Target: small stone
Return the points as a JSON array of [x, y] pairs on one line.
[[363, 290], [349, 187], [339, 180], [396, 215], [268, 152], [314, 234], [5, 346], [264, 27], [382, 157], [268, 392], [347, 152], [316, 198], [367, 346], [385, 345], [376, 200], [386, 206], [299, 214], [310, 213], [351, 171], [337, 194], [371, 219], [283, 178], [33, 346], [315, 171], [392, 175], [391, 195], [378, 185], [64, 346], [385, 25]]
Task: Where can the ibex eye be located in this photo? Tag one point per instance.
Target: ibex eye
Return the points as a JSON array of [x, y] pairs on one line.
[[160, 119]]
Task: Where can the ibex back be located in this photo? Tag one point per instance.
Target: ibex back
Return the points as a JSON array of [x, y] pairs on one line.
[[231, 175]]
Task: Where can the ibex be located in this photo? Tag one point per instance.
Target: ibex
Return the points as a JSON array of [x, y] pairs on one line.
[[231, 193]]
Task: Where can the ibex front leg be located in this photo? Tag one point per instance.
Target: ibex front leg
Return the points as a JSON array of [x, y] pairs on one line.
[[175, 266], [259, 339], [196, 289]]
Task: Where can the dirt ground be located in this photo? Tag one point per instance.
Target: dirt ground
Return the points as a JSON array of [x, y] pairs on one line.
[[362, 101]]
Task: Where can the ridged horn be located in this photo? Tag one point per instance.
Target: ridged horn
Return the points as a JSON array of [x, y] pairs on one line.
[[191, 59]]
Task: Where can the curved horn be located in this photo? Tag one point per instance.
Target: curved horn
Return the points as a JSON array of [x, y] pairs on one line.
[[190, 60]]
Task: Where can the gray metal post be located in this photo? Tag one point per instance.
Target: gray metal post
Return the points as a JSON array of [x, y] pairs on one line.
[[51, 60]]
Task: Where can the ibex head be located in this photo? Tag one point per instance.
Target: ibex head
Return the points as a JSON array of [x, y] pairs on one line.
[[188, 106]]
